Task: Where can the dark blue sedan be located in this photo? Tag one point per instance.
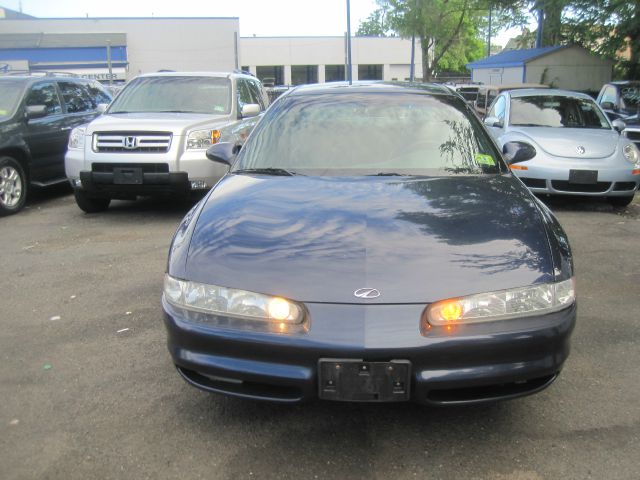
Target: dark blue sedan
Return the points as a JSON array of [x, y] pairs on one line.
[[370, 243]]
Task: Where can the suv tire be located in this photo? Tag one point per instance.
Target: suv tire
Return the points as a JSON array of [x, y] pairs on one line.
[[13, 186], [90, 204]]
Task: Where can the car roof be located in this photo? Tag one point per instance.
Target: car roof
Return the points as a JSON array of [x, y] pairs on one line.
[[372, 87], [512, 86], [35, 78], [531, 92], [197, 74], [624, 82]]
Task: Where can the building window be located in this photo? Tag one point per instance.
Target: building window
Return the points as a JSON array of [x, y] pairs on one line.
[[301, 74], [369, 72], [271, 75], [334, 73]]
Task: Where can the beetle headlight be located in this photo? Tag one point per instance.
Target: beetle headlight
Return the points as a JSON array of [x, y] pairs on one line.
[[503, 304], [202, 139], [76, 138], [630, 153], [231, 302]]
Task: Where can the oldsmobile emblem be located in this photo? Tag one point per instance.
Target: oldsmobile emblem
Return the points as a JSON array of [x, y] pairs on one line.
[[580, 149], [367, 293]]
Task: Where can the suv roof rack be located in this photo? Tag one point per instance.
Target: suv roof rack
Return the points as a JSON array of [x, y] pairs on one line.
[[39, 73]]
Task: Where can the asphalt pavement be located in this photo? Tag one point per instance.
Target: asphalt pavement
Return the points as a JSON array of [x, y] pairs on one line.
[[88, 390]]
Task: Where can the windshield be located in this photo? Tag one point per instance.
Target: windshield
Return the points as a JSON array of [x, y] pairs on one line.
[[187, 94], [630, 95], [10, 94], [365, 133], [556, 111]]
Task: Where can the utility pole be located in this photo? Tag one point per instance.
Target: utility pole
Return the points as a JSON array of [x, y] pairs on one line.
[[109, 62], [540, 23], [349, 76], [489, 34], [412, 72]]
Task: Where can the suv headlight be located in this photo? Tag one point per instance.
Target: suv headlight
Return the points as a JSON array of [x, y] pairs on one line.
[[630, 153], [231, 302], [202, 139], [76, 138], [503, 304]]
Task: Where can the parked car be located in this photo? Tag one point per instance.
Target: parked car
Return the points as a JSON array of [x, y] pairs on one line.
[[578, 151], [369, 244], [621, 100], [466, 90], [36, 116], [152, 139], [488, 93]]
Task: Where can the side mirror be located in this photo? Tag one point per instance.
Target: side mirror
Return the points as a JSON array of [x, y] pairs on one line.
[[618, 125], [516, 152], [250, 110], [101, 107], [493, 122], [608, 106], [36, 111], [224, 152]]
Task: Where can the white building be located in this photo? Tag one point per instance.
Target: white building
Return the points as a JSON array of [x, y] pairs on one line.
[[298, 60], [142, 45]]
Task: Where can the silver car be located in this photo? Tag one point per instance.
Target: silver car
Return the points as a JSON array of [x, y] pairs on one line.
[[577, 150]]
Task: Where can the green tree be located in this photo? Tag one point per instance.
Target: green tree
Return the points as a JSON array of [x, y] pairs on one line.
[[376, 24], [608, 28]]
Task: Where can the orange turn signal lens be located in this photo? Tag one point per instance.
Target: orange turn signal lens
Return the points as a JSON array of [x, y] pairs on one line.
[[215, 136], [451, 311], [518, 167], [635, 172]]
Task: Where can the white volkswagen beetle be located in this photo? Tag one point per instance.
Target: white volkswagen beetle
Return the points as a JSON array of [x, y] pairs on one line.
[[578, 151]]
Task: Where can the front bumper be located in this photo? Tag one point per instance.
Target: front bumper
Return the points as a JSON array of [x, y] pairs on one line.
[[545, 177], [471, 364]]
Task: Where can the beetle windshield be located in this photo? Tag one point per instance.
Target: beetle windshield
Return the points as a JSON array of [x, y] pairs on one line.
[[10, 93], [370, 133], [188, 94], [556, 111]]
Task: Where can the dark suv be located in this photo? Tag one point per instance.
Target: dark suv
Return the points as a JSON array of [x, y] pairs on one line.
[[621, 100], [36, 115]]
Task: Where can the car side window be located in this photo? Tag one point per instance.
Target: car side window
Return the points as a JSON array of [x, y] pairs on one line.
[[98, 93], [244, 94], [45, 93], [257, 95], [498, 109], [76, 97], [609, 95]]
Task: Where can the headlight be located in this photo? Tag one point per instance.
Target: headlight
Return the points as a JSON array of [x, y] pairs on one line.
[[76, 138], [630, 153], [202, 139], [503, 304], [230, 302]]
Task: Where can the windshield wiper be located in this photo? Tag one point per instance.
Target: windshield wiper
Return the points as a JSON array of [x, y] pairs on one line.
[[268, 171], [386, 174]]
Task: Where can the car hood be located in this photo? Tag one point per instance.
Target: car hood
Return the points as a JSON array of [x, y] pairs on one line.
[[416, 240], [176, 123], [564, 142]]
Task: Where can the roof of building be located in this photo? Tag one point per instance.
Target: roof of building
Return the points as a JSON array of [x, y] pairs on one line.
[[514, 58]]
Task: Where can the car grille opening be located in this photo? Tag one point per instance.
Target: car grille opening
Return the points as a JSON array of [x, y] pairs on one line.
[[489, 392], [145, 167], [239, 387], [534, 182], [564, 186], [132, 142], [624, 186]]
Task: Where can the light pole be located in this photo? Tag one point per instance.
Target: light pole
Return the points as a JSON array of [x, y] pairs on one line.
[[349, 42]]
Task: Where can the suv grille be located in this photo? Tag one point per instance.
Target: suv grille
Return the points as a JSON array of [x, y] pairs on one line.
[[145, 167], [132, 142]]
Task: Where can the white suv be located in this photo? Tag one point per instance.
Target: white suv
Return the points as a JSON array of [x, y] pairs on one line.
[[153, 137]]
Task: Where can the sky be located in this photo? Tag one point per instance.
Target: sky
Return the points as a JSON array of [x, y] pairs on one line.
[[257, 17]]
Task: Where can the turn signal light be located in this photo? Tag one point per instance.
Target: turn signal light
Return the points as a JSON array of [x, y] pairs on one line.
[[450, 311], [518, 167], [215, 136], [635, 172]]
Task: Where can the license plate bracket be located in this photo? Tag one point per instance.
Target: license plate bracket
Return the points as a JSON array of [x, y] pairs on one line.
[[353, 380], [583, 177], [127, 176]]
